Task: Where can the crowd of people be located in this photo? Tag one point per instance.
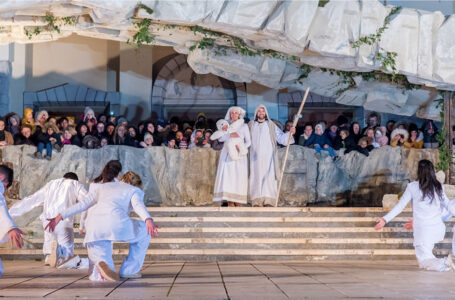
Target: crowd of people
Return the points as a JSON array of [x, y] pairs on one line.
[[352, 137], [52, 134]]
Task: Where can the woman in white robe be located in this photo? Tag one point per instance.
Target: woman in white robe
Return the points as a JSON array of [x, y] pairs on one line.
[[108, 221], [428, 204], [231, 182]]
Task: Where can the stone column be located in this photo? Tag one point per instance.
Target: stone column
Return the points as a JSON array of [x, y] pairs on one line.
[[5, 71]]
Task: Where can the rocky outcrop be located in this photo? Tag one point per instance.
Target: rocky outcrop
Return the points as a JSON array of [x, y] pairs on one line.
[[186, 178]]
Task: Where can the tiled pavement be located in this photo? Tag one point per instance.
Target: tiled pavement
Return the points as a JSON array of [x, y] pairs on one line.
[[235, 280]]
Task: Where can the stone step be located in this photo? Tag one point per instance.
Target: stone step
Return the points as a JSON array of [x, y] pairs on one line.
[[266, 233]]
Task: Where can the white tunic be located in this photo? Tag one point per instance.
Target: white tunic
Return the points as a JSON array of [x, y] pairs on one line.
[[108, 219], [231, 182], [56, 196], [263, 183], [6, 222], [427, 217]]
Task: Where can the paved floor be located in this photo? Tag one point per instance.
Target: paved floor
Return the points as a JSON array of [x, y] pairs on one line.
[[235, 280]]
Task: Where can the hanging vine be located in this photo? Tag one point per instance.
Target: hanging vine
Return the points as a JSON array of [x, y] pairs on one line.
[[444, 153], [53, 24], [143, 35]]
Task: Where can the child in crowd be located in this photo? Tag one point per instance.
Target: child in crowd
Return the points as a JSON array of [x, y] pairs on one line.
[[380, 137], [344, 141], [398, 137], [321, 142], [148, 141], [48, 139]]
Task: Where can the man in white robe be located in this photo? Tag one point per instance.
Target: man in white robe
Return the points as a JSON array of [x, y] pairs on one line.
[[8, 229], [55, 197], [264, 165]]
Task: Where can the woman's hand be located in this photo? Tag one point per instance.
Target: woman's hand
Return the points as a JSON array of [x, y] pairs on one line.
[[3, 143], [409, 225], [53, 223], [152, 228], [380, 223], [81, 231], [234, 135]]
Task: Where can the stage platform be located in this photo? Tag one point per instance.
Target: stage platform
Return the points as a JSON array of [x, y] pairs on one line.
[[234, 280], [265, 233]]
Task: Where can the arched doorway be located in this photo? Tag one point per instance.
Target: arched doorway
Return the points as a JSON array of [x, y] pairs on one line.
[[180, 92]]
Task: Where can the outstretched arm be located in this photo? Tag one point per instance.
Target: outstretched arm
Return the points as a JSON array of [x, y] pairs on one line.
[[28, 203], [396, 210], [282, 138]]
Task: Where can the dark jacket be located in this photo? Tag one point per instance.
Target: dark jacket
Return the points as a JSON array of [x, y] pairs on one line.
[[45, 138], [320, 140], [348, 143], [19, 139], [357, 148]]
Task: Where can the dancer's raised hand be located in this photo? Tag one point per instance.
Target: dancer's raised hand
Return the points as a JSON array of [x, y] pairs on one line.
[[380, 223], [53, 223], [15, 237], [152, 228]]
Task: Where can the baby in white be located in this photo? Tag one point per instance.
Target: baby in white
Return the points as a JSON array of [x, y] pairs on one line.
[[231, 143]]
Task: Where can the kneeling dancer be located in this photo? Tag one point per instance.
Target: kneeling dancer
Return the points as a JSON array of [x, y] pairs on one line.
[[108, 221], [55, 197], [428, 203]]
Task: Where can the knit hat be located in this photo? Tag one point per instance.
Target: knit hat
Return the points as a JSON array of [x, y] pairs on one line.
[[148, 136]]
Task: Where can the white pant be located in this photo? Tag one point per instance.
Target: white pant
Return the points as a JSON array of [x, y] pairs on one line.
[[428, 261], [64, 236], [102, 251]]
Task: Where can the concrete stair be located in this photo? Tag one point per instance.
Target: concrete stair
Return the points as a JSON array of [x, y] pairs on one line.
[[246, 233]]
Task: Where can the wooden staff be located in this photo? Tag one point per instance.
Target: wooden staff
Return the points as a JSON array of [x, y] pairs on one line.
[[296, 120]]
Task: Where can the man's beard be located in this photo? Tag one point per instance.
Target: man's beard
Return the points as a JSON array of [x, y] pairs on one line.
[[261, 119]]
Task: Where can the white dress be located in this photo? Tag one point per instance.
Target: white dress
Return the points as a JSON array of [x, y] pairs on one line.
[[231, 182], [6, 222], [263, 183]]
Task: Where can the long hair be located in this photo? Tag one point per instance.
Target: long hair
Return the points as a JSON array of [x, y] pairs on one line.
[[428, 183], [110, 171]]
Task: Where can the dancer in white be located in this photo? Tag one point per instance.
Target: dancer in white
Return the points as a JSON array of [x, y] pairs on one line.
[[231, 182], [8, 229], [428, 203], [55, 197], [108, 221], [264, 165]]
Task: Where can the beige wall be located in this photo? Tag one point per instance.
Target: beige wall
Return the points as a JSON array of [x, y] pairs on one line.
[[75, 59]]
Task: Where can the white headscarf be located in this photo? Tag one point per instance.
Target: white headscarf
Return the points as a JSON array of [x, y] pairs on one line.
[[241, 111]]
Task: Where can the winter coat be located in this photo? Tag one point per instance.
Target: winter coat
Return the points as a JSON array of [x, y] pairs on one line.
[[19, 139], [320, 140], [348, 143]]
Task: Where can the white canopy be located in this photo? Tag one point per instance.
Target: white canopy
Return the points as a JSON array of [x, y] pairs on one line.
[[317, 36]]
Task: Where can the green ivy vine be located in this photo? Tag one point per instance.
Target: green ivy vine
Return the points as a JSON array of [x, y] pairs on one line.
[[143, 35], [444, 151], [53, 24]]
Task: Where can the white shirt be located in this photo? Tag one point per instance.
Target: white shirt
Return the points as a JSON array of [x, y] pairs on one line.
[[56, 196], [108, 218]]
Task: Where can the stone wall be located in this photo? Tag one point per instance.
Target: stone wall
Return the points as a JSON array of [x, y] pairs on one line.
[[186, 178]]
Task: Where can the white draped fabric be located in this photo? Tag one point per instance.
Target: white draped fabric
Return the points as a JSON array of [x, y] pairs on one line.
[[263, 183], [232, 175]]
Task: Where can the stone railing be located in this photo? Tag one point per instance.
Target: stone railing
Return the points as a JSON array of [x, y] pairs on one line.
[[186, 177]]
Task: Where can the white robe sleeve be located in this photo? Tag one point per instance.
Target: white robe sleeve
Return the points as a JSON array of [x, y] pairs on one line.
[[448, 206], [282, 138], [247, 136], [137, 202], [6, 222], [224, 137], [28, 203], [398, 208]]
